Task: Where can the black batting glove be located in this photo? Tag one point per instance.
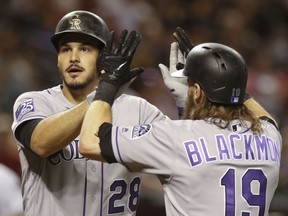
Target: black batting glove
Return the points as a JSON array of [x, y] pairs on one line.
[[115, 65], [185, 44]]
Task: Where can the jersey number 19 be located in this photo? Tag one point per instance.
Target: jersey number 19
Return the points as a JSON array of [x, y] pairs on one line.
[[259, 199]]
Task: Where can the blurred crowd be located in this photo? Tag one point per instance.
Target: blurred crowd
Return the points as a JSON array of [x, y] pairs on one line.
[[257, 29]]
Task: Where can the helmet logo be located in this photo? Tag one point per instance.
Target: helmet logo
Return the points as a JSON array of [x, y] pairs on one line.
[[75, 22], [236, 92]]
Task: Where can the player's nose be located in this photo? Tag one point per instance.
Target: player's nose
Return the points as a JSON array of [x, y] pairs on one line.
[[74, 56]]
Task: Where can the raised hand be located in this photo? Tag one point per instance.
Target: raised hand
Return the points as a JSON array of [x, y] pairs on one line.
[[177, 86], [115, 64], [183, 40], [116, 59]]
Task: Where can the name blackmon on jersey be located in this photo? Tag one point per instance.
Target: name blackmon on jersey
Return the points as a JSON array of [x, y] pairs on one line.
[[255, 148]]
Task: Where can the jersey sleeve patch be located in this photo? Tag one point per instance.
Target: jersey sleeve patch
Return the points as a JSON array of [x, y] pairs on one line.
[[25, 107], [140, 130]]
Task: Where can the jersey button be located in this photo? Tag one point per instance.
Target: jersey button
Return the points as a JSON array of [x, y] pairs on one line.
[[93, 198], [94, 169]]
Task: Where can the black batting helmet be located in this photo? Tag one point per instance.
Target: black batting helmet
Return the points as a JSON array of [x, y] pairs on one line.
[[81, 25], [220, 71]]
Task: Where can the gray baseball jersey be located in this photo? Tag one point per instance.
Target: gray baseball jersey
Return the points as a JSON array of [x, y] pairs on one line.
[[205, 170], [66, 183]]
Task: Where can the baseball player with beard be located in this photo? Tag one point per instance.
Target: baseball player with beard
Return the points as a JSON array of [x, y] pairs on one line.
[[223, 158], [56, 178]]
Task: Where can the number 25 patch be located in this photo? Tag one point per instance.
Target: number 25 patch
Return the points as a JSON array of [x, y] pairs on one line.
[[25, 107]]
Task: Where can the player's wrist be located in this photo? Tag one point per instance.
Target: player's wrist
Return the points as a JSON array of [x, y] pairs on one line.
[[180, 102], [106, 92]]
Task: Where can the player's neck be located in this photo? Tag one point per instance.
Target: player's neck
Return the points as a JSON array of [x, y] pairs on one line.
[[76, 96]]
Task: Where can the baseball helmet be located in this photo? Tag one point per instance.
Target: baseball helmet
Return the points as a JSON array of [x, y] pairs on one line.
[[219, 70], [81, 25]]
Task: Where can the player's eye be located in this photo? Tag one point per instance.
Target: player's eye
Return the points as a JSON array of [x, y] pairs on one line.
[[85, 49], [65, 49]]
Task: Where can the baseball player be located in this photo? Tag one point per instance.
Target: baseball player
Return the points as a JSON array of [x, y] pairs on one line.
[[56, 178], [222, 159]]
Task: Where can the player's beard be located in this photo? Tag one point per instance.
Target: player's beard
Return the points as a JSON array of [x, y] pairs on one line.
[[75, 85]]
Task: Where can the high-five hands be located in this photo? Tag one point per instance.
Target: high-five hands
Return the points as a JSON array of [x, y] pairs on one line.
[[115, 64], [184, 42], [178, 53], [177, 86]]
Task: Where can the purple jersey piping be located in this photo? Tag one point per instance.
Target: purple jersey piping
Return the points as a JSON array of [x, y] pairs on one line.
[[117, 145], [118, 150], [85, 193], [102, 188]]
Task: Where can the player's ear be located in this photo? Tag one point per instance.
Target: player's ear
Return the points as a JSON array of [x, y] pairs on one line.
[[191, 91], [197, 93], [195, 90]]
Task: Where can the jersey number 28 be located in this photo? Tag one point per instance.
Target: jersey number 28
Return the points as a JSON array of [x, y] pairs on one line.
[[120, 188]]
